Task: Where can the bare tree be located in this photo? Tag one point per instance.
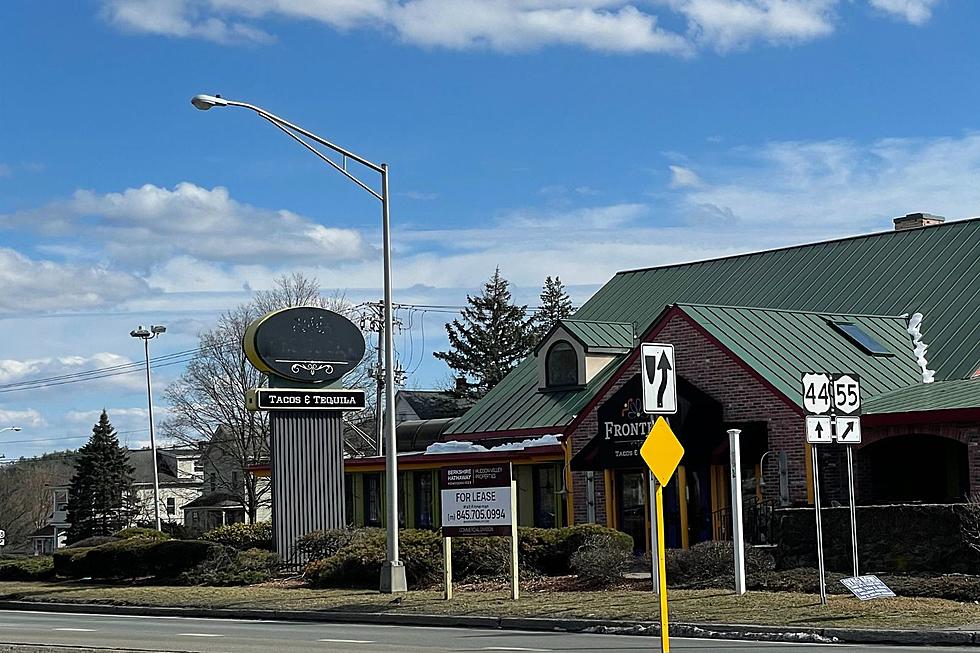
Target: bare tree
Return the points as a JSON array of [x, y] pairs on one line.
[[26, 494], [211, 391]]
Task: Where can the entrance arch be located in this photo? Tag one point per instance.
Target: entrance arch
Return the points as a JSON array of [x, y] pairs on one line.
[[915, 468]]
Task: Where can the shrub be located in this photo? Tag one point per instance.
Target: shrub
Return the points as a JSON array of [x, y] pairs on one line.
[[356, 564], [140, 534], [480, 557], [95, 540], [325, 543], [227, 566], [712, 564], [64, 561], [601, 560], [243, 536], [134, 558], [549, 551], [33, 568]]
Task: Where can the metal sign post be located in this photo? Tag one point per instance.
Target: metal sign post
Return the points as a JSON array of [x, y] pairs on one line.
[[854, 530], [738, 537], [816, 505], [662, 452], [654, 521], [832, 403]]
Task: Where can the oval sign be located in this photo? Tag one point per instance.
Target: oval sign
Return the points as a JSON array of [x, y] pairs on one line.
[[306, 344]]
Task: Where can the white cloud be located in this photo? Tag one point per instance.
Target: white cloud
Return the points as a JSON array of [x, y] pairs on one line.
[[681, 177], [149, 225], [19, 371], [838, 187], [916, 12], [23, 418], [32, 286], [617, 26]]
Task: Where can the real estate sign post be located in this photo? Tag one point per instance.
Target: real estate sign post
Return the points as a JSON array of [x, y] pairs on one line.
[[479, 501]]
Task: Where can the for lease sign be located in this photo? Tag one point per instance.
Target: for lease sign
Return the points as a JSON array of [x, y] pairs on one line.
[[476, 501]]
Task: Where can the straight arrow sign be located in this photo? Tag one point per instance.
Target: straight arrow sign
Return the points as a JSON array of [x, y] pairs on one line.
[[659, 379]]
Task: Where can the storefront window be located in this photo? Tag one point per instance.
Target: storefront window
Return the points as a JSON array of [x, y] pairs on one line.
[[372, 499], [423, 499], [544, 496], [561, 365]]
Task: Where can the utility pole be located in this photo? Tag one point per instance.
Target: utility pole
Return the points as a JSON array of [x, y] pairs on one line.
[[374, 321]]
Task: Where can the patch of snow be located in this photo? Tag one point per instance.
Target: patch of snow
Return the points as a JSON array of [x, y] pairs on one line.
[[915, 330], [455, 446]]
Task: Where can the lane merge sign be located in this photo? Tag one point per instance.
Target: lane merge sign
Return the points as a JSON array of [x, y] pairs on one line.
[[832, 403], [659, 378]]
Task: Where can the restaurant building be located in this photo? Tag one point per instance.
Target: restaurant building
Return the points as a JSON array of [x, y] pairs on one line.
[[901, 309]]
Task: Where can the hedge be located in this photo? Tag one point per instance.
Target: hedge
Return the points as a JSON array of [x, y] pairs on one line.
[[901, 539], [243, 536], [227, 566], [135, 533], [359, 555], [134, 558], [26, 569]]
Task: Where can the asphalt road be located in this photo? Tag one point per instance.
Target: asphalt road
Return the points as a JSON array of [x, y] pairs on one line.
[[226, 635]]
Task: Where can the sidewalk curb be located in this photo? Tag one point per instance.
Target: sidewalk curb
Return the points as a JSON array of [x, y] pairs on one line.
[[750, 632]]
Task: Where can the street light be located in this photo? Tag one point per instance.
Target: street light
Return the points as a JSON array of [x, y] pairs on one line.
[[147, 335], [393, 572], [10, 428]]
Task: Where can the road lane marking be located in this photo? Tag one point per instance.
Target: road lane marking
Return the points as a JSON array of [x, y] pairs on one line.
[[198, 635], [347, 641], [77, 630], [512, 648]]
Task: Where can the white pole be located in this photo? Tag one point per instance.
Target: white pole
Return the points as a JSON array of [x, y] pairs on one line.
[[654, 553], [447, 565], [515, 590], [738, 538]]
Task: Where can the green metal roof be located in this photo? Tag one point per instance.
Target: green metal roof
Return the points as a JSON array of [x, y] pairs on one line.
[[782, 345], [932, 270], [941, 395], [601, 335]]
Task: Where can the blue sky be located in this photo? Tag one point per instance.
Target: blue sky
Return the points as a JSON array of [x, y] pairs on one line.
[[549, 137]]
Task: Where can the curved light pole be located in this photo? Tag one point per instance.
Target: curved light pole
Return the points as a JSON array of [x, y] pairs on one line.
[[393, 572], [10, 428], [147, 335]]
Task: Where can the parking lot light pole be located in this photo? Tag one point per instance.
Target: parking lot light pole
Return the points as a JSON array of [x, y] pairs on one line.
[[146, 335], [393, 572]]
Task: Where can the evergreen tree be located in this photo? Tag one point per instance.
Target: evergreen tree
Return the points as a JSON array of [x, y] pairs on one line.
[[555, 305], [493, 336], [100, 497]]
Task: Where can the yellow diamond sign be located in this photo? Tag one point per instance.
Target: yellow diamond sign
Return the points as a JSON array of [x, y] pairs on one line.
[[662, 451]]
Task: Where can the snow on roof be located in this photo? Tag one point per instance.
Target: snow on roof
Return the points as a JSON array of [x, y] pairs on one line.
[[455, 446]]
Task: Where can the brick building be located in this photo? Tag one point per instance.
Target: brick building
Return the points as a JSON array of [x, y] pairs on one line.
[[901, 309]]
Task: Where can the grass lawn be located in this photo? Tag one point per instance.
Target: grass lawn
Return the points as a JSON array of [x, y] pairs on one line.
[[697, 606]]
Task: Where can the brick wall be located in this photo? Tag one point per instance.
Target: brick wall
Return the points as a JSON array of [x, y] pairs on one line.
[[744, 397]]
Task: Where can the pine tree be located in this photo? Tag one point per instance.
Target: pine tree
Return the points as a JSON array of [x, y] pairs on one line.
[[493, 336], [555, 305], [101, 493]]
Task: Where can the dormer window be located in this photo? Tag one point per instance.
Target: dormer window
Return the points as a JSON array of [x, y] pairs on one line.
[[573, 352], [561, 365]]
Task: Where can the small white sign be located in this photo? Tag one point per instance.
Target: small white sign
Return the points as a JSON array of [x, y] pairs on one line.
[[3, 537], [847, 395], [867, 587], [659, 378], [816, 393], [848, 430], [818, 430]]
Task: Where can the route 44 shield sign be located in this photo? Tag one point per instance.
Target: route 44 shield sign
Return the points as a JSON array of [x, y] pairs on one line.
[[659, 378], [832, 403]]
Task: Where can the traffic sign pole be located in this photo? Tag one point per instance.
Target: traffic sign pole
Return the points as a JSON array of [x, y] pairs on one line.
[[854, 530], [661, 563], [654, 556], [816, 505]]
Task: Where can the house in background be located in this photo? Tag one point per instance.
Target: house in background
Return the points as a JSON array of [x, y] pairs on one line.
[[51, 536], [181, 481]]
